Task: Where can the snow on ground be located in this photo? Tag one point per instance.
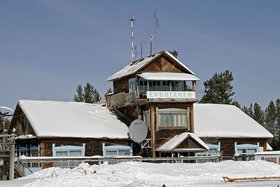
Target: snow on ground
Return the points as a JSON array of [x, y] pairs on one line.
[[151, 174]]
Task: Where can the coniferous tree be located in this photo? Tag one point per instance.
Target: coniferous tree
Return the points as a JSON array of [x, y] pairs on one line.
[[277, 126], [4, 122], [270, 120], [249, 110], [174, 53], [109, 91], [270, 116], [278, 111], [88, 95], [218, 89], [1, 123], [79, 97], [258, 114], [96, 96], [236, 103]]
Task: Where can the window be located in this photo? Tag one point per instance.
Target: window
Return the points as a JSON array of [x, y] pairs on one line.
[[172, 117], [164, 86], [68, 151], [32, 150], [169, 117], [142, 86], [146, 115], [116, 150], [245, 151], [132, 84], [178, 86]]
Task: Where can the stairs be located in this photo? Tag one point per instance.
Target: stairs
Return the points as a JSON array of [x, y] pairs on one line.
[[146, 144]]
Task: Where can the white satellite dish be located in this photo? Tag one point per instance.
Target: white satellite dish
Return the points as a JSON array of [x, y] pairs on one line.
[[6, 111], [138, 130]]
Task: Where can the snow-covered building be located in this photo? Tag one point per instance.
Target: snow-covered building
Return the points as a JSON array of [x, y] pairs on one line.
[[162, 91], [57, 128], [231, 128]]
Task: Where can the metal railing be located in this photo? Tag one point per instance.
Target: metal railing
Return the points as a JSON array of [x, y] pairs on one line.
[[100, 159]]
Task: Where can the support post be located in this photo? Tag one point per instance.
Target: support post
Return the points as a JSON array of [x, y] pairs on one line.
[[12, 158], [192, 118], [43, 153], [193, 85], [265, 146], [153, 132]]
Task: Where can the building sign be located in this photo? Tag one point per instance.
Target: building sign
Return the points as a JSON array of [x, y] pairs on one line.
[[171, 95], [271, 157]]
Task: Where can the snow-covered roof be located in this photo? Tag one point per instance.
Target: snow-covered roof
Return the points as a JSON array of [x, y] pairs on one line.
[[268, 147], [174, 142], [72, 119], [137, 65], [268, 153], [168, 76], [220, 120]]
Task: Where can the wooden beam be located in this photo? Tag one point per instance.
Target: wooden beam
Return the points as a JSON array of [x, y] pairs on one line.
[[12, 158], [228, 179], [43, 153], [193, 85], [265, 146], [153, 132], [192, 118]]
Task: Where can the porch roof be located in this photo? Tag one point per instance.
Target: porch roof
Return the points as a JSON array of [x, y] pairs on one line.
[[173, 143], [168, 76]]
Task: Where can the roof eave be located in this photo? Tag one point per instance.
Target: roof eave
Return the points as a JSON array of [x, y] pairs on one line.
[[155, 56]]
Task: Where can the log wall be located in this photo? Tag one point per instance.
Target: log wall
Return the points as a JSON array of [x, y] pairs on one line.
[[227, 144]]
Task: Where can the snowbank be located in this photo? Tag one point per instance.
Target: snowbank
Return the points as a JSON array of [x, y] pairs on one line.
[[150, 174]]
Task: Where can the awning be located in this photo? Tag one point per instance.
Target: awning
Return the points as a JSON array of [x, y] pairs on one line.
[[168, 76], [174, 143]]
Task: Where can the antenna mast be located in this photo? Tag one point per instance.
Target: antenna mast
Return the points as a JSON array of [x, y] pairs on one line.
[[155, 35], [133, 48]]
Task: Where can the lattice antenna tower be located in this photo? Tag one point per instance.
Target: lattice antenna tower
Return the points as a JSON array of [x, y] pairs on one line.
[[154, 36], [133, 47]]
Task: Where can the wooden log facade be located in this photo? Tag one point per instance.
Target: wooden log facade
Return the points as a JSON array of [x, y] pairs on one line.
[[92, 146], [134, 79], [161, 91], [228, 144], [162, 62]]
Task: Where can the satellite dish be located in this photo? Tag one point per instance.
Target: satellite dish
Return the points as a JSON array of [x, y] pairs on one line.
[[6, 111], [138, 130]]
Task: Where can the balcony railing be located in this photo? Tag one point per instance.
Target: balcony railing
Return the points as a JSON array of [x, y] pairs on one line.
[[123, 99]]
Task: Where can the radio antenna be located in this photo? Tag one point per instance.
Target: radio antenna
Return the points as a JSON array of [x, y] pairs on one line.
[[133, 48], [154, 36]]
